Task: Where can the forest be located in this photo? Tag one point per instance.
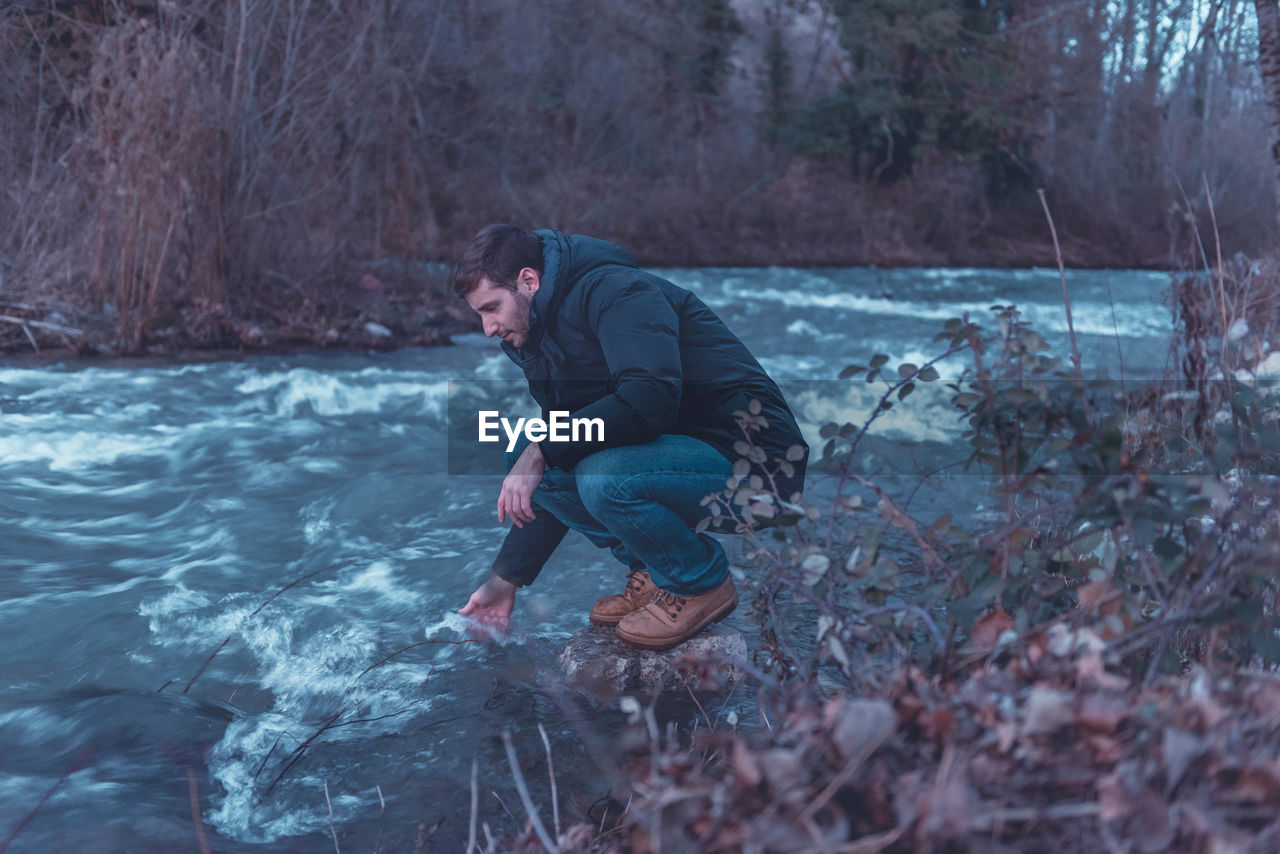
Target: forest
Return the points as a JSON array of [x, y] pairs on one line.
[[251, 173]]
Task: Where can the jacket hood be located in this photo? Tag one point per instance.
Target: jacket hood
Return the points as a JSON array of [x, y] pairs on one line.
[[566, 260]]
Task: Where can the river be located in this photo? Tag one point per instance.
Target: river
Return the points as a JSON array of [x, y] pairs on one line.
[[151, 511]]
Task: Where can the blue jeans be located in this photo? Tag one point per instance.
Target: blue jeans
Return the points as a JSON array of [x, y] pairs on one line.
[[642, 502]]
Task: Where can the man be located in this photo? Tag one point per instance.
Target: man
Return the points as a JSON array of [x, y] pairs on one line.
[[601, 339]]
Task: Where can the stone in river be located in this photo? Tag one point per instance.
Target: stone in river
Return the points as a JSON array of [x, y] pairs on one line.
[[597, 660]]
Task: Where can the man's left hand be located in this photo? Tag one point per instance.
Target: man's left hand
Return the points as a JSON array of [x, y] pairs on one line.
[[516, 498]]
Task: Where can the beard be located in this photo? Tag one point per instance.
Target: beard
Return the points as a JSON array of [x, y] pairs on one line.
[[518, 332]]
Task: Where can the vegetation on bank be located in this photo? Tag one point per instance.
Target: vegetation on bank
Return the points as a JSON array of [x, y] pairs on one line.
[[1095, 667], [222, 174]]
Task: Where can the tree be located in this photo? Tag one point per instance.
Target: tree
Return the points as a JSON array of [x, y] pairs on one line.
[[923, 74], [1269, 66]]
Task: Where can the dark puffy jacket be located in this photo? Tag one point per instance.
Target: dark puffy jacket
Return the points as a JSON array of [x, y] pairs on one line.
[[611, 341]]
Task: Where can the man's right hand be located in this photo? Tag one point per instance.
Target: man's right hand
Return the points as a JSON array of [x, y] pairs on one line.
[[491, 605], [516, 498]]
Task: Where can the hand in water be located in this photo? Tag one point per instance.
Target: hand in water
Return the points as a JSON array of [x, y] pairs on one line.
[[490, 607]]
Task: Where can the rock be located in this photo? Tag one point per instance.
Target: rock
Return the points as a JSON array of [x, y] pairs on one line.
[[377, 330], [595, 659]]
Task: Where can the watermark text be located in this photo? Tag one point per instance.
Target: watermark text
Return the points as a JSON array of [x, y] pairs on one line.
[[559, 427]]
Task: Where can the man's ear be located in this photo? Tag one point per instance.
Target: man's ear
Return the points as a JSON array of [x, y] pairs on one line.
[[529, 280]]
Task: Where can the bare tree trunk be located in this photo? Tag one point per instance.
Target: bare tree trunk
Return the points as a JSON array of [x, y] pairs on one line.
[[1269, 65]]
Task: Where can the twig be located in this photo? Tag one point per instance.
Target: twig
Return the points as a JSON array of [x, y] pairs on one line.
[[382, 814], [332, 832], [1222, 284], [193, 793], [1066, 299], [910, 609], [411, 646], [705, 716], [274, 745], [475, 807], [551, 773], [878, 411], [1025, 814], [869, 844], [538, 828], [302, 748], [74, 767], [255, 613], [41, 324], [503, 804]]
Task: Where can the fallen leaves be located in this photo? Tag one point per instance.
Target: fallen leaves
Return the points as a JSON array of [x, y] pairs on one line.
[[1058, 754]]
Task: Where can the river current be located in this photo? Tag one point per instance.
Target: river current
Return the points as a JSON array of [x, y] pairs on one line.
[[207, 564]]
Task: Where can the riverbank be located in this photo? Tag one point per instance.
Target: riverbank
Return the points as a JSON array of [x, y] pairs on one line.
[[362, 311], [411, 306]]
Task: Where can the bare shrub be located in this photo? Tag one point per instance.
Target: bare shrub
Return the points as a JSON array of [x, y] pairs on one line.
[[156, 164]]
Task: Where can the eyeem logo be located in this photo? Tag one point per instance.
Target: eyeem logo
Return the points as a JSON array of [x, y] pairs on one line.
[[561, 428]]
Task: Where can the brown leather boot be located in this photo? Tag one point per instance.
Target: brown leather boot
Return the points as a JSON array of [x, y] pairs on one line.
[[670, 619], [609, 610]]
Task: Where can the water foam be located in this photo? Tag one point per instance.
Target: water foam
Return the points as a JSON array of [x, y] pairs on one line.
[[1089, 318], [292, 393], [77, 451]]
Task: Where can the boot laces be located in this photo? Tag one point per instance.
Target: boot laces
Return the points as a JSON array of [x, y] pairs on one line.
[[634, 582], [666, 600]]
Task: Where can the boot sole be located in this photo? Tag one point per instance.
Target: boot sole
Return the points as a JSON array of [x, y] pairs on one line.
[[607, 622], [648, 643]]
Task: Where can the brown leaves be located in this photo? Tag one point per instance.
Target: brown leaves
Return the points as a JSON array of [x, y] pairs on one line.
[[1057, 754], [987, 630], [857, 728], [1048, 710]]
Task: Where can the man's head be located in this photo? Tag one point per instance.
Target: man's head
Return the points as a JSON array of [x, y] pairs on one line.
[[498, 274]]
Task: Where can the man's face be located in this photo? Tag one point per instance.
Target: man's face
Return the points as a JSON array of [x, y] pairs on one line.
[[505, 313]]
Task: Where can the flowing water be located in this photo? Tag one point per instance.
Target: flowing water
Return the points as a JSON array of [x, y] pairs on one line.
[[150, 512]]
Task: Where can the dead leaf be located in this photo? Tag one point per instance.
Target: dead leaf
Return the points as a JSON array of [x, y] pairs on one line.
[[1090, 670], [1093, 593], [1153, 824], [946, 811], [1254, 785], [1007, 734], [858, 727], [989, 628], [1180, 749], [894, 515], [1103, 712], [1047, 710], [785, 770], [938, 723], [745, 766], [1113, 800], [1106, 749], [1264, 698]]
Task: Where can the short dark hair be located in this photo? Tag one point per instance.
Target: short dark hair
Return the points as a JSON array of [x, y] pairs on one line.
[[497, 253]]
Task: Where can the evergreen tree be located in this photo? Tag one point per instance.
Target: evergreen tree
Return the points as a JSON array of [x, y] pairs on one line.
[[922, 73]]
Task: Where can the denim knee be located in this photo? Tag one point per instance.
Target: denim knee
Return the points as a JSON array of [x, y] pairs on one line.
[[599, 493]]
